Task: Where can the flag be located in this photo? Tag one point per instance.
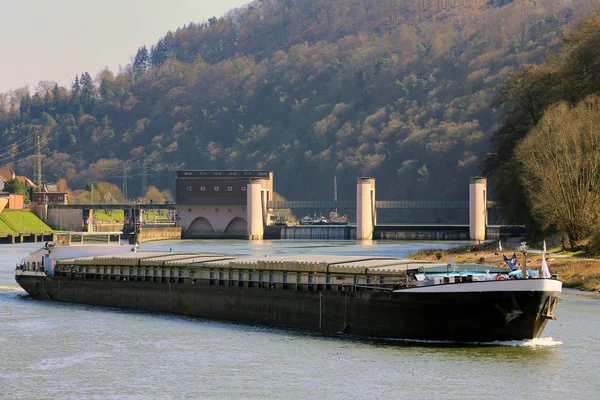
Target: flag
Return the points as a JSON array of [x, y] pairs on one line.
[[512, 262], [545, 270], [500, 245]]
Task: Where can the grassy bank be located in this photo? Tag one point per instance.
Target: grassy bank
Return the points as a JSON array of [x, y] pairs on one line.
[[5, 229], [575, 272], [21, 221], [118, 216]]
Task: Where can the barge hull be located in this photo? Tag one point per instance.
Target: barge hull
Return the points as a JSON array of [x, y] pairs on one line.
[[469, 316]]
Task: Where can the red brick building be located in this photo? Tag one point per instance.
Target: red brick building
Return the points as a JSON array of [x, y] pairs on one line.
[[51, 197]]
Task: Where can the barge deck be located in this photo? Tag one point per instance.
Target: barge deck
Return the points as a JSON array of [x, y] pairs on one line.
[[368, 296]]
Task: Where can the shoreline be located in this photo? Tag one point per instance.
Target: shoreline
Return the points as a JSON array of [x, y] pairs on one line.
[[575, 272]]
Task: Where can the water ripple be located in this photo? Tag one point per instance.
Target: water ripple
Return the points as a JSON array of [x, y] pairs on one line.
[[62, 362]]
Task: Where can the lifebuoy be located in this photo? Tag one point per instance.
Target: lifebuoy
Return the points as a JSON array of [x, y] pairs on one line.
[[500, 277]]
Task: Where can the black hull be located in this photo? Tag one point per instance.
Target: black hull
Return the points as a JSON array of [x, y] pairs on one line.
[[476, 316]]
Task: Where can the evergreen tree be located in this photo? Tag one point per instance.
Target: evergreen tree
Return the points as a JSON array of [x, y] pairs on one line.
[[87, 92], [141, 63], [16, 186], [106, 90], [55, 94], [76, 89], [160, 52], [25, 106], [37, 106]]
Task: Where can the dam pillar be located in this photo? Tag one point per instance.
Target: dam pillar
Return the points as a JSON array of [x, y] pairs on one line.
[[88, 220], [477, 208], [255, 209], [41, 210], [365, 208], [137, 216]]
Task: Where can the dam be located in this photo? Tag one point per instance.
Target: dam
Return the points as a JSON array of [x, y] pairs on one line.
[[240, 205]]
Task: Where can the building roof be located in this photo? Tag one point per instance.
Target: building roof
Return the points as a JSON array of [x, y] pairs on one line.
[[6, 173], [27, 181]]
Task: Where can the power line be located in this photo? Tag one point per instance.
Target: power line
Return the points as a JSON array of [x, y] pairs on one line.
[[25, 139], [5, 159], [8, 151], [133, 164]]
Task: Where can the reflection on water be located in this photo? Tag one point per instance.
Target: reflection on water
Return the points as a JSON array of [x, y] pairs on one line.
[[74, 351]]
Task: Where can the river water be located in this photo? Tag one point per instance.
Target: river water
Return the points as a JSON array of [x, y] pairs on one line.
[[50, 350]]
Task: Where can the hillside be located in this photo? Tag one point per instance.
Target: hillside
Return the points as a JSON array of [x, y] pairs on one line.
[[547, 149], [19, 221], [401, 90]]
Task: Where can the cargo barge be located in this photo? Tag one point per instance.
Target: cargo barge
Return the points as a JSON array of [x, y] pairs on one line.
[[367, 296]]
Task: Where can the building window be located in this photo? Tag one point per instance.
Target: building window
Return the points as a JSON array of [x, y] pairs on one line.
[[216, 188], [230, 188], [202, 188], [189, 188], [243, 188]]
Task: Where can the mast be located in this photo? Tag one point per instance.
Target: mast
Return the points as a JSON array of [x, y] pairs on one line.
[[38, 161], [145, 177], [124, 188], [335, 192]]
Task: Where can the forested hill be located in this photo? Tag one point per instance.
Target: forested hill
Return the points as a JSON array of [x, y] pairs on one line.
[[402, 90]]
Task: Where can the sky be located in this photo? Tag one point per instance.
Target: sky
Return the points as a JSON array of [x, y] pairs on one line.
[[57, 39]]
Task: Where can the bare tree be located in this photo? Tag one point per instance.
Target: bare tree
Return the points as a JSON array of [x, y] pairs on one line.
[[561, 168]]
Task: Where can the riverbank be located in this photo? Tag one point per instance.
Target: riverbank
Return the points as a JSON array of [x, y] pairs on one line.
[[575, 272], [22, 226], [21, 222]]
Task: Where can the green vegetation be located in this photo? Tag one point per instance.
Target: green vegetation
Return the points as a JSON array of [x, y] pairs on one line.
[[118, 216], [549, 145], [22, 221], [401, 90], [16, 186], [155, 216], [109, 216], [418, 94], [5, 229]]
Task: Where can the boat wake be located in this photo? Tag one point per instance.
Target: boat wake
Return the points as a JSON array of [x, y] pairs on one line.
[[11, 288], [11, 292], [529, 343]]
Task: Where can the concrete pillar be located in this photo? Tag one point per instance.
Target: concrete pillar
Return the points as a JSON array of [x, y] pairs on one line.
[[127, 217], [477, 208], [365, 208], [254, 210], [138, 216], [41, 210], [264, 196], [88, 220]]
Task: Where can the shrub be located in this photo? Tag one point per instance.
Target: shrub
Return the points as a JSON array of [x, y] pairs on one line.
[[594, 246]]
